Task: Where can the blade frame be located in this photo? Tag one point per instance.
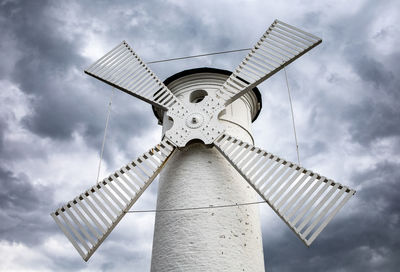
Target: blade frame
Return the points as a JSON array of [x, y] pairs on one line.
[[102, 210], [293, 194], [300, 44], [120, 67]]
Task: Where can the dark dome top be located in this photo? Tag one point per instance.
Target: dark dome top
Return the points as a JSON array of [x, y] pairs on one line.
[[206, 70]]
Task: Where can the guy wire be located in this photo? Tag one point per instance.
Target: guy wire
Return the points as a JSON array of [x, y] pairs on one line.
[[197, 208]]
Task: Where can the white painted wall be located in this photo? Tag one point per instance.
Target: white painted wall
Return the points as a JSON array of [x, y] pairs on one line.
[[224, 239]]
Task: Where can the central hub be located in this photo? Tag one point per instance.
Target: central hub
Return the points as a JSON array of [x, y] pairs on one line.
[[194, 120]]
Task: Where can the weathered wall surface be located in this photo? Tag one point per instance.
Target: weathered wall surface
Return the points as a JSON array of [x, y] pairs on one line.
[[223, 239]]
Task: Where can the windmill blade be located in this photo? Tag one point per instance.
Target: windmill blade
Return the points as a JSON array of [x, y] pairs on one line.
[[305, 200], [123, 69], [90, 217], [279, 46]]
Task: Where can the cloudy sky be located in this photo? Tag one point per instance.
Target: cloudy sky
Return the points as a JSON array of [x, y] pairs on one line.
[[346, 95]]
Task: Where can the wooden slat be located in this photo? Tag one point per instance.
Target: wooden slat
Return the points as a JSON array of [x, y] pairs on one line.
[[330, 216], [111, 195], [287, 194], [95, 221], [96, 210], [77, 223], [74, 231], [94, 232], [68, 235]]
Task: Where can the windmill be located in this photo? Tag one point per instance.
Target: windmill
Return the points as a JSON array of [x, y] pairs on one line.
[[303, 199]]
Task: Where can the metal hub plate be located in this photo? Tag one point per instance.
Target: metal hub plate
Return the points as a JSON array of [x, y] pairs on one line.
[[195, 121]]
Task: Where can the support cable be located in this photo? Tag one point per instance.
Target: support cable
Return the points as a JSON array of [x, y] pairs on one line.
[[291, 108], [201, 55], [197, 208], [105, 134]]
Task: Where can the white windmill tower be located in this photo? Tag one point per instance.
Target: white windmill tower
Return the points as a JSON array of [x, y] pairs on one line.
[[206, 117], [199, 176]]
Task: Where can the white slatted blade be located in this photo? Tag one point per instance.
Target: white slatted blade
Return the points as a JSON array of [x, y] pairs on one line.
[[123, 69], [305, 200], [279, 46], [89, 218]]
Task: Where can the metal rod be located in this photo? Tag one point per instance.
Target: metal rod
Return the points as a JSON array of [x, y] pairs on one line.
[[105, 134], [198, 208], [201, 55], [291, 109]]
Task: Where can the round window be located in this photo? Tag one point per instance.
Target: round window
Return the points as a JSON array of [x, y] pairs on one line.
[[197, 96]]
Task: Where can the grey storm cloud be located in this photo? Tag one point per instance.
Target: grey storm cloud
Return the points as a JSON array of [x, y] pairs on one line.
[[379, 117], [43, 69], [44, 59], [365, 241], [23, 209]]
